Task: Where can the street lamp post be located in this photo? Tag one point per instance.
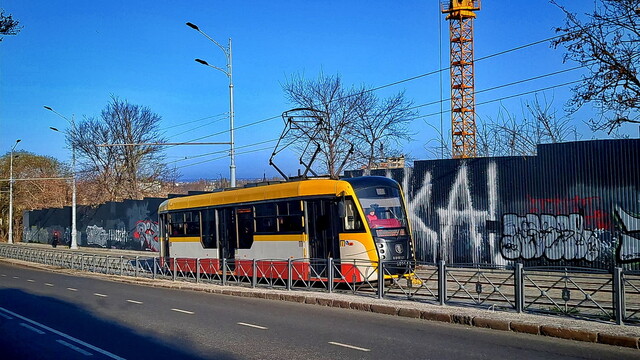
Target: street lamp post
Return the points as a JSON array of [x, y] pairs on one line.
[[229, 72], [11, 193], [74, 233]]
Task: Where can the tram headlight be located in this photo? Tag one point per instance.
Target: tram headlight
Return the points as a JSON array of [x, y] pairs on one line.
[[381, 251]]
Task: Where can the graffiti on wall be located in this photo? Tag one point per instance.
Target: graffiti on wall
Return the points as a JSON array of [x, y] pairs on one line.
[[629, 245], [459, 215], [554, 237], [147, 232], [576, 205], [97, 235]]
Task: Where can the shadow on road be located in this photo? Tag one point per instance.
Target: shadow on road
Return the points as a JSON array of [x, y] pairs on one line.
[[76, 321]]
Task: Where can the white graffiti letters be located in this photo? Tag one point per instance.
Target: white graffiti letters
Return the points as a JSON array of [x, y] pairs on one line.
[[555, 237], [96, 235], [147, 232], [629, 237]]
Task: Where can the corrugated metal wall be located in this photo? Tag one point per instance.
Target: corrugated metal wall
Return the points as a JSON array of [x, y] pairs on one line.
[[131, 224], [574, 204]]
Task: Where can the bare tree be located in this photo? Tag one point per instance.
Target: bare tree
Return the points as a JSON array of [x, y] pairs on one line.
[[510, 135], [121, 172], [607, 43], [380, 125], [8, 26], [354, 118]]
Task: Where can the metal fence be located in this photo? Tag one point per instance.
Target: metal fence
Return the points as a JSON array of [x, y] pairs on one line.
[[577, 292]]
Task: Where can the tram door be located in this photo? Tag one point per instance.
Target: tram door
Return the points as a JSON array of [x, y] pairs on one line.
[[323, 233], [227, 232], [164, 236]]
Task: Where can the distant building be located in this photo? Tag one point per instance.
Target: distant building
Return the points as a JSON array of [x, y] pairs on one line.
[[389, 163]]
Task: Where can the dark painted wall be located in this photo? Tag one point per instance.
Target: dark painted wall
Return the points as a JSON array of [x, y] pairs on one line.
[[131, 224], [574, 204]]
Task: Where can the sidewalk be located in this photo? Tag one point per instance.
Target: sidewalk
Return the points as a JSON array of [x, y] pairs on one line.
[[554, 326]]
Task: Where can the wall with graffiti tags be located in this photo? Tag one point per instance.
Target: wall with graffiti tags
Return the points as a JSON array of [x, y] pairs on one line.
[[574, 203], [131, 224]]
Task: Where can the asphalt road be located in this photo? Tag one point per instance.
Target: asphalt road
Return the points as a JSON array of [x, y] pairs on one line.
[[54, 316]]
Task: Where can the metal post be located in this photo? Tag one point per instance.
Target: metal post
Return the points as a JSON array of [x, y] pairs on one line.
[[135, 272], [224, 271], [121, 265], [442, 282], [197, 270], [518, 276], [380, 279], [330, 275], [175, 269], [155, 267], [618, 295], [232, 167], [254, 273], [74, 232], [289, 274], [11, 193]]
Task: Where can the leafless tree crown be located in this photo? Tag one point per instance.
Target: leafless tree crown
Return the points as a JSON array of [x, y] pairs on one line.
[[607, 43], [353, 116]]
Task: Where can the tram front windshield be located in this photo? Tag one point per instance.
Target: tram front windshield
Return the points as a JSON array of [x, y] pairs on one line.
[[383, 207]]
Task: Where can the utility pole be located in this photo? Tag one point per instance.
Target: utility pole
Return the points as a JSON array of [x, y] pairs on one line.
[[11, 193], [229, 72]]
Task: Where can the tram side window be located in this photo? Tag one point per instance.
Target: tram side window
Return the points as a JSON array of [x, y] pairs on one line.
[[266, 218], [352, 221], [290, 218], [186, 223], [209, 229], [176, 224], [192, 223]]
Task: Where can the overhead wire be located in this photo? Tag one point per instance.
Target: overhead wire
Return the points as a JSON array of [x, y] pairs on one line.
[[390, 84], [439, 71]]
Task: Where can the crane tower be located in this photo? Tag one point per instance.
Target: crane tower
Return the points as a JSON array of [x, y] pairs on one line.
[[460, 14]]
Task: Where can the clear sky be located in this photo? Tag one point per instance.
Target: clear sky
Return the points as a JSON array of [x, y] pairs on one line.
[[72, 55]]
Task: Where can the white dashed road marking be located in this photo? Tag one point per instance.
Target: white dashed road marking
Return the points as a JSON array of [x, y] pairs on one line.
[[184, 311], [100, 295], [31, 280], [32, 328], [59, 333], [253, 326], [48, 284], [6, 316], [72, 289], [73, 347], [348, 346], [135, 302]]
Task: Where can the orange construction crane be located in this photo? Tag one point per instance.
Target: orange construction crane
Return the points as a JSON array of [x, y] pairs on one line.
[[460, 14]]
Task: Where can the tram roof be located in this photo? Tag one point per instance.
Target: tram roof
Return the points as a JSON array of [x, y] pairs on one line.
[[309, 187]]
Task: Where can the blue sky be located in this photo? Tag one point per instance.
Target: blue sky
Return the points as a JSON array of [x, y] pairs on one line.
[[73, 55]]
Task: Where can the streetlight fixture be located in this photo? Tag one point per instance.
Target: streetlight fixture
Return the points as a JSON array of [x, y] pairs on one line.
[[74, 233], [229, 72], [11, 193]]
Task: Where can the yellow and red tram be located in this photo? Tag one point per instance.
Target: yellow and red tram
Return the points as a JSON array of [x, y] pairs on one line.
[[356, 221]]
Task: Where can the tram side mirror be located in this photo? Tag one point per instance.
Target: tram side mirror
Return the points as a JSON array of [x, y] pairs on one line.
[[341, 209]]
